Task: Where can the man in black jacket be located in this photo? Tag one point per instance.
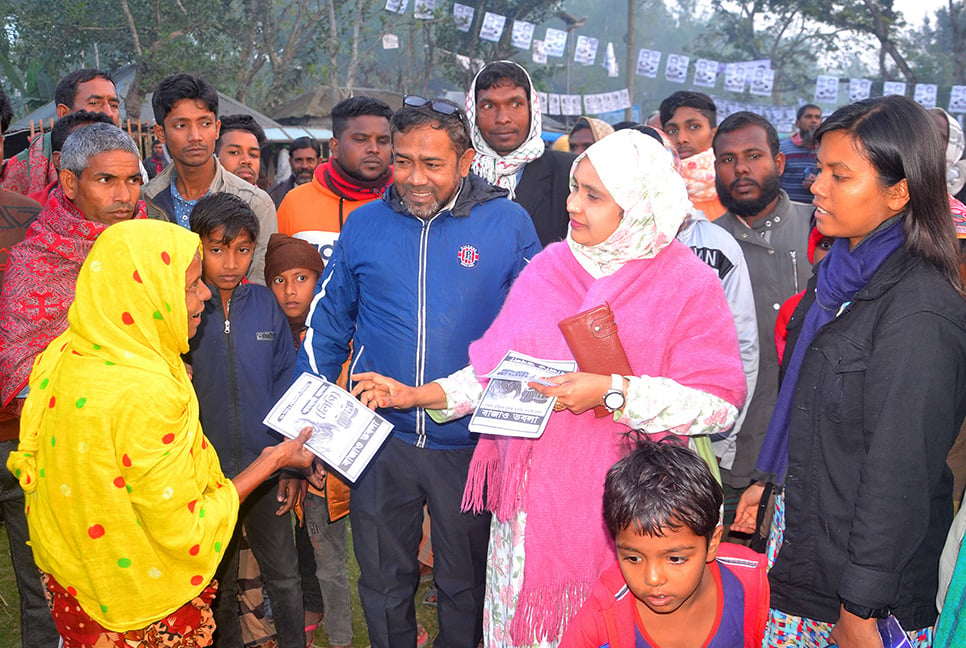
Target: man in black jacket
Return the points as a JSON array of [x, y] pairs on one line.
[[506, 123]]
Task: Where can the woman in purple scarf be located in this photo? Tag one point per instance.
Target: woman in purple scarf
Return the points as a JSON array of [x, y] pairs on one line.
[[548, 543], [874, 391]]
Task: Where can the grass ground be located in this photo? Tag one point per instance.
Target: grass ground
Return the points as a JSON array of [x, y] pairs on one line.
[[10, 605]]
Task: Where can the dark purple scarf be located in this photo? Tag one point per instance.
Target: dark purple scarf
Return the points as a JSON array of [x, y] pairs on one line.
[[841, 275]]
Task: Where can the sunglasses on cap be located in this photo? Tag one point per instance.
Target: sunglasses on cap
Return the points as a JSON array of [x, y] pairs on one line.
[[441, 106]]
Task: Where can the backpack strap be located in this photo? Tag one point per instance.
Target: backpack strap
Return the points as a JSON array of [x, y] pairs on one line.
[[751, 570]]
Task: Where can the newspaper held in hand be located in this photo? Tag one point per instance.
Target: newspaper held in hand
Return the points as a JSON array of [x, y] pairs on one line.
[[345, 433], [508, 406]]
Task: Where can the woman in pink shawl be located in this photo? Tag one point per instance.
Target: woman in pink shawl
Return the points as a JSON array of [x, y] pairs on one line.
[[547, 540]]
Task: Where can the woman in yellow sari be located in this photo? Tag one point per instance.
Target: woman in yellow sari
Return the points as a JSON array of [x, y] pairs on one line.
[[126, 502]]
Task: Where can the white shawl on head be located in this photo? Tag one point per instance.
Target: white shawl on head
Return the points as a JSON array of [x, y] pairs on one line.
[[502, 170]]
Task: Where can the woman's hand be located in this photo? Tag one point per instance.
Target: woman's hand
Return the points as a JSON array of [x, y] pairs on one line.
[[746, 514], [855, 632], [577, 392], [289, 487], [375, 390], [292, 453]]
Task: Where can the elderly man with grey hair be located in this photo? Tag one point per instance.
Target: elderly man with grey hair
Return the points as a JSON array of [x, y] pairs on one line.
[[100, 184]]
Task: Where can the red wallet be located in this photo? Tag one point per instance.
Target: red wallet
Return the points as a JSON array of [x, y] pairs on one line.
[[592, 338]]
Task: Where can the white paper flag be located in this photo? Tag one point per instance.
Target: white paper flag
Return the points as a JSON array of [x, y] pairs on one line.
[[423, 10], [762, 82], [676, 69], [492, 26], [623, 99], [586, 52], [462, 16], [542, 101], [734, 77], [957, 99], [555, 42], [397, 6], [705, 73], [893, 88], [592, 104], [648, 62], [390, 41], [859, 89], [540, 54], [610, 101], [610, 62], [827, 88], [553, 104], [925, 94], [570, 104], [522, 34]]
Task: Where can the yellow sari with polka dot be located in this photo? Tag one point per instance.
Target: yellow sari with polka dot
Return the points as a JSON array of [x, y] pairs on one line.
[[126, 502]]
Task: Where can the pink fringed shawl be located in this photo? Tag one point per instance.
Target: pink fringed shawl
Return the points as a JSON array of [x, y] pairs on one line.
[[674, 322]]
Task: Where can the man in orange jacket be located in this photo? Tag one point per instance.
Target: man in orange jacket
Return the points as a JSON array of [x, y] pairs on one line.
[[357, 172]]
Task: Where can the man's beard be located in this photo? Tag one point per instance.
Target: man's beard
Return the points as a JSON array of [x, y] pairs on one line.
[[767, 192], [303, 176], [808, 137]]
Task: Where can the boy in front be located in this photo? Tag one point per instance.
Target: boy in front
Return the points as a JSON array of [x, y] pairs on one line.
[[243, 358], [672, 585]]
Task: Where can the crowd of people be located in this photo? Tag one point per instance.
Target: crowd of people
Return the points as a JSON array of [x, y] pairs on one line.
[[751, 452]]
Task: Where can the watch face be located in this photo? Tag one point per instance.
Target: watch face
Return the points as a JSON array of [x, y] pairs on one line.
[[614, 400]]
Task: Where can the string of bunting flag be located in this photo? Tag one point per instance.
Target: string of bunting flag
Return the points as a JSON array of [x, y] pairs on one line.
[[754, 77]]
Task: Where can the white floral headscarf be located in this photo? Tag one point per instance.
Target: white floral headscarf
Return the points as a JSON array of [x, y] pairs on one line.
[[640, 176], [955, 168], [501, 170]]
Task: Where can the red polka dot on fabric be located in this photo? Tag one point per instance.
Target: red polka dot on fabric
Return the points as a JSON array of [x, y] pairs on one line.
[[192, 504], [166, 258], [126, 318], [197, 579], [72, 591], [137, 277], [167, 438], [194, 550], [204, 444], [52, 402], [126, 460], [95, 531], [119, 482]]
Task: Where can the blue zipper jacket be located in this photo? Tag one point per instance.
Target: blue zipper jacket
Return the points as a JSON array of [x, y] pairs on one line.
[[413, 294], [242, 365]]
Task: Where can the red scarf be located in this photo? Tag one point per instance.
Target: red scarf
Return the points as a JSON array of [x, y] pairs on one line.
[[39, 286], [331, 175]]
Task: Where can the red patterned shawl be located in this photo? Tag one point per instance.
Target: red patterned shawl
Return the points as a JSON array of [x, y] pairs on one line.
[[31, 170], [38, 286]]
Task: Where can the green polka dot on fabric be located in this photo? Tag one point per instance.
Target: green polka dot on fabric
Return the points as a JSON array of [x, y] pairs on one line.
[[217, 547], [124, 563], [44, 383], [17, 473], [168, 306], [157, 315], [53, 441], [201, 513], [41, 473], [103, 608], [128, 487], [97, 347], [80, 402]]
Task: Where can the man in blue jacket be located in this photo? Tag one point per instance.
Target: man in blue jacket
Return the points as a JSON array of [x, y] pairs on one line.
[[414, 278]]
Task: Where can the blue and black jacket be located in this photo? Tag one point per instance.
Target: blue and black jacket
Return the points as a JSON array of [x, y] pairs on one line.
[[414, 293]]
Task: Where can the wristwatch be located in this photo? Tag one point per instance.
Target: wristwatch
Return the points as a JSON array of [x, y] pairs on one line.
[[864, 612], [614, 397]]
